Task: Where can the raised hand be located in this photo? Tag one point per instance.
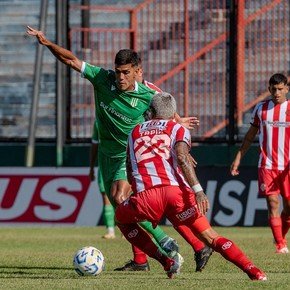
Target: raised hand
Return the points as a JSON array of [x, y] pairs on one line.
[[38, 34]]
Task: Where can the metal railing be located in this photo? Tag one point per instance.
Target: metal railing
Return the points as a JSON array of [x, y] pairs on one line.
[[186, 48]]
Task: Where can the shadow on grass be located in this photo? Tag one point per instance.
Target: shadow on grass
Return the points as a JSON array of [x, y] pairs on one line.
[[33, 272], [35, 268]]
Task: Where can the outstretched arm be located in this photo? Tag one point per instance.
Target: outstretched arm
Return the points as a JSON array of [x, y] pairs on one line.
[[62, 54], [248, 140]]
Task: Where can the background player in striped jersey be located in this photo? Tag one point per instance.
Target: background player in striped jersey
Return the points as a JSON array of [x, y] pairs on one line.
[[271, 120], [164, 183]]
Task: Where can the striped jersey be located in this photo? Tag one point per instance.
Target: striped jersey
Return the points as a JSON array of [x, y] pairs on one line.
[[152, 86], [273, 121], [152, 155]]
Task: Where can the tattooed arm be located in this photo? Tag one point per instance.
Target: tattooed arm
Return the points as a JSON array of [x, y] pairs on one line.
[[184, 160]]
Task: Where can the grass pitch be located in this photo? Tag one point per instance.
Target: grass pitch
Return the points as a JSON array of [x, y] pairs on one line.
[[41, 258]]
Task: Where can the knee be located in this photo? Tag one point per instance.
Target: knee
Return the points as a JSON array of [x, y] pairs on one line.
[[273, 203]]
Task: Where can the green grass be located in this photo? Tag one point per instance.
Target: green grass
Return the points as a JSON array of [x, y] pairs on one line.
[[41, 258]]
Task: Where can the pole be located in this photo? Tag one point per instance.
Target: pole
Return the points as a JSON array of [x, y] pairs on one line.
[[30, 149], [61, 31]]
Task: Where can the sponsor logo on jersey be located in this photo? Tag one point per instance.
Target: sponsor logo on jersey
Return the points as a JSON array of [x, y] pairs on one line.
[[277, 124], [113, 88], [151, 125], [116, 113], [134, 102]]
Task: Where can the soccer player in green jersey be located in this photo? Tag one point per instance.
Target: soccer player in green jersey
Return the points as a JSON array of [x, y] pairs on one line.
[[120, 105]]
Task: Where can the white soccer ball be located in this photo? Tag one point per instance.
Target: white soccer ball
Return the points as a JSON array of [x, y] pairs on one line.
[[89, 261]]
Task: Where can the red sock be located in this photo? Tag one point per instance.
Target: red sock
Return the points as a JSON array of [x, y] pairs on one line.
[[231, 252], [139, 238], [187, 234], [276, 227], [139, 256], [285, 224]]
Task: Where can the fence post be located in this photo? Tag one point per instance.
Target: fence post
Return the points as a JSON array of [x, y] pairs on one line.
[[240, 60], [30, 149], [186, 54]]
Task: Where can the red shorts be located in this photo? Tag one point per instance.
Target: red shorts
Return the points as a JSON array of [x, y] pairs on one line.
[[179, 206], [274, 182]]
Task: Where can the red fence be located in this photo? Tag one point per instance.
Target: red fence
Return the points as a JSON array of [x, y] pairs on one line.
[[186, 48]]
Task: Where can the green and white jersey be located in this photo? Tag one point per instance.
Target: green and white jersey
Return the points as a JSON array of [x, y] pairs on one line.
[[117, 112]]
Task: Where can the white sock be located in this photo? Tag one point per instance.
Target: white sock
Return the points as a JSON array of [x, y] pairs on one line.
[[111, 230]]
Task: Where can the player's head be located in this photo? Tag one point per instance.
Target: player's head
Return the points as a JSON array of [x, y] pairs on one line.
[[163, 106], [278, 88], [126, 67]]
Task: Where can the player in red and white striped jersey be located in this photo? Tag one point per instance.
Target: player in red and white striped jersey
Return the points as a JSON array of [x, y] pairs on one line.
[[271, 119], [160, 169], [202, 252]]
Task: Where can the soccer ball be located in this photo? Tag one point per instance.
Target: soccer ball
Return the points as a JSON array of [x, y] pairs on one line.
[[89, 261]]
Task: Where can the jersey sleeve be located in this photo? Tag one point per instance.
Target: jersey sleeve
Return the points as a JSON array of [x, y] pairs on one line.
[[183, 135], [90, 72], [152, 86], [255, 120]]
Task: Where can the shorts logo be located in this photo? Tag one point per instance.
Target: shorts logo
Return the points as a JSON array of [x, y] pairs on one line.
[[227, 245], [126, 202], [186, 214], [133, 234], [263, 187]]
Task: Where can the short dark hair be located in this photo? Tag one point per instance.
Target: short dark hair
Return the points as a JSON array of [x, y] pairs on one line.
[[278, 79], [127, 56]]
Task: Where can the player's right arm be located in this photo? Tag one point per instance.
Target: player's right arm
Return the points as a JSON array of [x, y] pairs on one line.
[[248, 140], [62, 54]]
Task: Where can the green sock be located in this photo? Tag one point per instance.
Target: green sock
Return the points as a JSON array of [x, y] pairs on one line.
[[157, 233], [109, 216]]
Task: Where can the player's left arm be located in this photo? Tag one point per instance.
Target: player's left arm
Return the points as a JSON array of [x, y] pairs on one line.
[[188, 122], [184, 160]]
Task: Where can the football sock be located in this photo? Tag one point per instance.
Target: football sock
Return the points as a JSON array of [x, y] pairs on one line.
[[231, 252], [111, 230], [285, 224], [109, 216], [187, 234], [138, 237], [276, 227], [157, 232], [139, 256]]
